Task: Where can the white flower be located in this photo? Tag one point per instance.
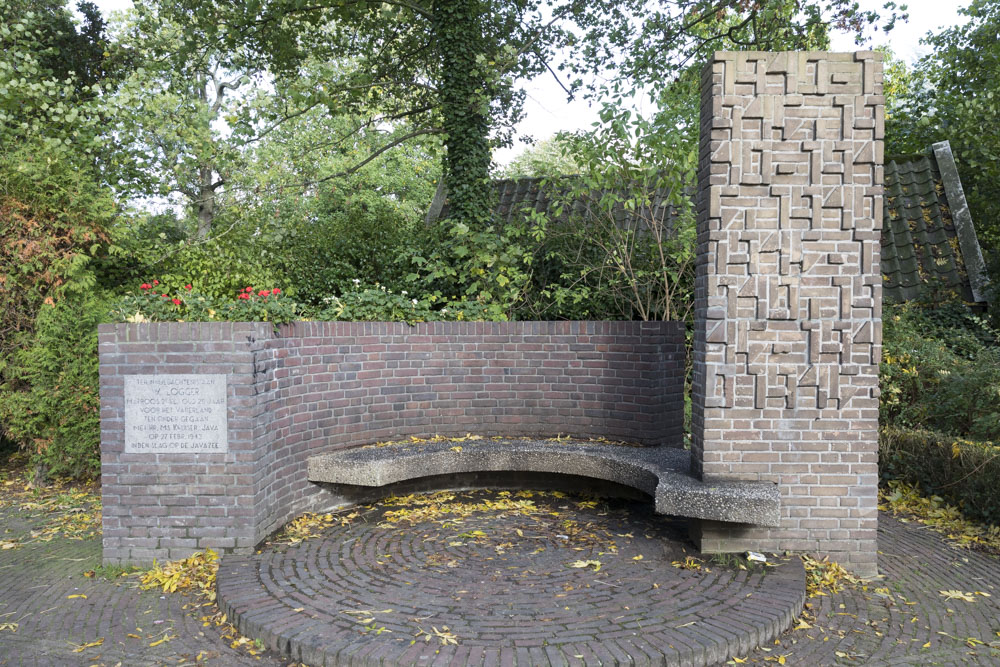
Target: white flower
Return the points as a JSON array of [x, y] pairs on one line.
[[414, 302], [404, 292], [357, 281]]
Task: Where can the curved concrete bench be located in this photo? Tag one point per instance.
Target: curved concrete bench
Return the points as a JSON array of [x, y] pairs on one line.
[[661, 472]]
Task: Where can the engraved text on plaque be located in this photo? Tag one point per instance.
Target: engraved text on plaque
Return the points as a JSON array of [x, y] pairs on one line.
[[175, 413]]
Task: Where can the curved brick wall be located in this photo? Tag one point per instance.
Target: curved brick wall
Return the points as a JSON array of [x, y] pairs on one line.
[[316, 386], [787, 342]]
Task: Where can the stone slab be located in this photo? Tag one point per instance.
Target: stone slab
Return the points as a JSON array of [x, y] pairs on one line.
[[663, 473]]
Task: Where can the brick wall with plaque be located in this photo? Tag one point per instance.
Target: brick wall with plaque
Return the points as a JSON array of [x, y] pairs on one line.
[[206, 428]]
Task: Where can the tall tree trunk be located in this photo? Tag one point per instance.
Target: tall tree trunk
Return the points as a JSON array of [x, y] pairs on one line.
[[465, 104], [206, 202]]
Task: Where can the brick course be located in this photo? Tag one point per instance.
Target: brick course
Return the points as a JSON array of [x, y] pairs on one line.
[[786, 350], [317, 386], [788, 295]]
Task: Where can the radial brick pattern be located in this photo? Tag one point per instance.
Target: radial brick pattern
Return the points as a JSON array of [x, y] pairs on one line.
[[788, 294], [900, 619], [503, 582]]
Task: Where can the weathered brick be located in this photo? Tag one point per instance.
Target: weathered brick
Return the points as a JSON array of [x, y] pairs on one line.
[[323, 385], [787, 297]]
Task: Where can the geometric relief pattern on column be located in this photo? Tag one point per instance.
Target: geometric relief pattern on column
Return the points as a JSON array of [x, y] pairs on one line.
[[787, 334], [788, 293]]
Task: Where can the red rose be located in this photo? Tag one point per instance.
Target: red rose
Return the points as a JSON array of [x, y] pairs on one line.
[[145, 286], [188, 286], [177, 302], [156, 282], [276, 291], [164, 296], [263, 292], [248, 289], [243, 295]]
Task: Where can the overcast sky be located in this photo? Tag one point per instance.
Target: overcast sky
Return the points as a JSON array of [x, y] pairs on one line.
[[548, 111]]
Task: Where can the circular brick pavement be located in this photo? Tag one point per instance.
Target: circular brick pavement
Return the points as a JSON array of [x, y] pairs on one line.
[[489, 578], [898, 619]]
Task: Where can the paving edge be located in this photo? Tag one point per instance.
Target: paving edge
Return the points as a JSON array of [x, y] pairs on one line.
[[306, 642]]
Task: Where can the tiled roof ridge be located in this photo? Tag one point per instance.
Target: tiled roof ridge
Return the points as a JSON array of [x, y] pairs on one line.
[[972, 253], [929, 242]]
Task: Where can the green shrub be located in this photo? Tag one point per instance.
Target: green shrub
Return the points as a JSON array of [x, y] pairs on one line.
[[49, 402], [53, 219], [940, 371], [237, 256], [963, 472], [350, 240], [380, 304], [160, 301]]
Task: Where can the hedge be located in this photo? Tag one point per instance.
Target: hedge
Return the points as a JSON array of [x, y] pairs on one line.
[[963, 472]]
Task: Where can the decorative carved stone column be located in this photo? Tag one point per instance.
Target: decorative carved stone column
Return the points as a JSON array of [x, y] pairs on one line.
[[788, 296]]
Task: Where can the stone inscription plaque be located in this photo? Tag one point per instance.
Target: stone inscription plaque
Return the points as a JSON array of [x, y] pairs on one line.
[[175, 414]]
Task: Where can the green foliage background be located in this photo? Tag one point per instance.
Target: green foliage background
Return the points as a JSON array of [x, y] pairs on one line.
[[962, 471], [952, 94], [293, 149], [940, 370]]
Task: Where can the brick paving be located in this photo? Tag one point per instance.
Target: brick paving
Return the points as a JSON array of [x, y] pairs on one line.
[[504, 583], [902, 618], [887, 624], [36, 582]]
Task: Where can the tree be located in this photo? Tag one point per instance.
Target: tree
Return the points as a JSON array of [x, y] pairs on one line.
[[952, 94], [52, 77], [451, 65], [178, 128], [548, 157], [630, 168], [323, 219], [192, 112]]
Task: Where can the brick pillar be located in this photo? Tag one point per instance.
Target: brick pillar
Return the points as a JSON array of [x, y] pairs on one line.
[[164, 505], [788, 296]]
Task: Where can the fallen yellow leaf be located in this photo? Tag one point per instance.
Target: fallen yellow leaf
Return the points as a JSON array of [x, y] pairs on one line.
[[580, 564], [78, 595], [164, 640], [958, 595], [83, 647]]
